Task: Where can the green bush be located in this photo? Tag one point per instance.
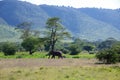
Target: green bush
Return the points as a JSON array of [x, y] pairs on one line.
[[9, 48], [108, 56], [74, 49]]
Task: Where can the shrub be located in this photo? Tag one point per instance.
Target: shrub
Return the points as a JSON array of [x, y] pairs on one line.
[[9, 48], [74, 49], [108, 56]]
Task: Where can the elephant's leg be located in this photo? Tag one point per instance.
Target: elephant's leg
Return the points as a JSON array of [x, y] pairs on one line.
[[53, 56]]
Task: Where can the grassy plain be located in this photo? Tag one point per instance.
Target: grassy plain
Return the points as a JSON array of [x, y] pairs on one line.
[[61, 73], [23, 66]]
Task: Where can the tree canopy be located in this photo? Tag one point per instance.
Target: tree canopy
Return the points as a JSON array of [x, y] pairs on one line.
[[55, 31]]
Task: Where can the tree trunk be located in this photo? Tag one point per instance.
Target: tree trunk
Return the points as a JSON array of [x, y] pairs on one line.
[[52, 46]]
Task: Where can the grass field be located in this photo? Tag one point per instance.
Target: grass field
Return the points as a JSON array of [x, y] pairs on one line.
[[57, 69], [23, 66], [61, 73]]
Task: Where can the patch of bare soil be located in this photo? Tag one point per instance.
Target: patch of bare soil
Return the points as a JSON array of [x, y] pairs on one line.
[[9, 63]]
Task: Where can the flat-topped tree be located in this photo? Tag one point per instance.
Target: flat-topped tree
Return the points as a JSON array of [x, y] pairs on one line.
[[55, 32], [31, 40], [30, 44]]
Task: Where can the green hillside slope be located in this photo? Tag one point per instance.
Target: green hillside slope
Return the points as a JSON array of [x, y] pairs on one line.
[[8, 33], [90, 24], [106, 15], [14, 12], [81, 24]]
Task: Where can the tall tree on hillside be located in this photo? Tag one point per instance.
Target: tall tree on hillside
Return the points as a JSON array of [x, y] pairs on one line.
[[55, 32]]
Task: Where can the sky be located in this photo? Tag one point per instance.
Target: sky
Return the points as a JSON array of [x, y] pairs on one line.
[[109, 4]]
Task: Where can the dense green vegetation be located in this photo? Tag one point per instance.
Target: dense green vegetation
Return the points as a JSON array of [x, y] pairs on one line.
[[25, 55], [110, 55], [43, 55], [9, 49], [106, 51], [30, 44]]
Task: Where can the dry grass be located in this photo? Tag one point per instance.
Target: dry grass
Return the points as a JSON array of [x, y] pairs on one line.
[[45, 62], [7, 63], [57, 69]]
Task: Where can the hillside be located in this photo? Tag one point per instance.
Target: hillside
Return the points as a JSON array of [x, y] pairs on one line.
[[8, 33], [2, 21], [81, 24], [14, 12], [86, 23], [106, 15]]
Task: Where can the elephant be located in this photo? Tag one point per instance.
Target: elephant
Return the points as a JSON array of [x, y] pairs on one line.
[[55, 53]]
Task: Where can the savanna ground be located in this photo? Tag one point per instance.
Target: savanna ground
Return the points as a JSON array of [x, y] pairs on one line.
[[37, 67]]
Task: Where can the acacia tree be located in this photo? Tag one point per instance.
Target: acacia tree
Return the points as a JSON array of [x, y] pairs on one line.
[[55, 31], [30, 37], [30, 44]]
